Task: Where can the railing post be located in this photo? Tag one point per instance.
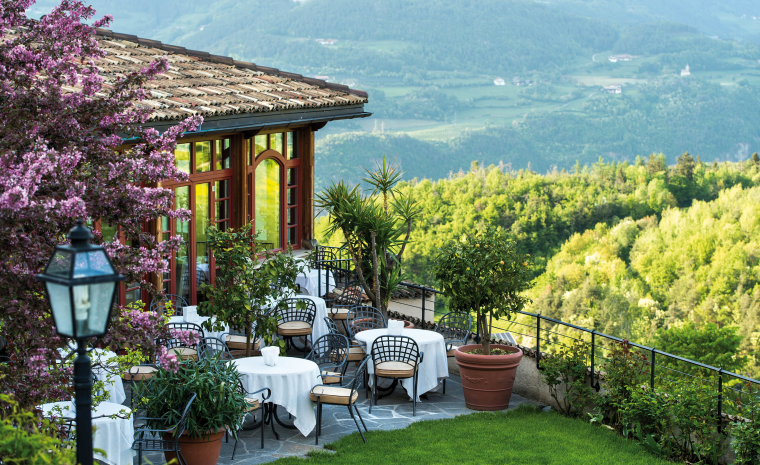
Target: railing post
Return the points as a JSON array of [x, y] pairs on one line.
[[538, 341], [651, 375], [594, 385], [720, 400], [423, 308]]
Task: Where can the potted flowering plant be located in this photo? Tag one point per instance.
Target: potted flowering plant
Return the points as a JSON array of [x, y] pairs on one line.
[[219, 405], [485, 274]]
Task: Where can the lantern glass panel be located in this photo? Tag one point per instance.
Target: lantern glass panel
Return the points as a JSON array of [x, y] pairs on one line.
[[94, 263], [60, 302], [60, 264], [92, 306]]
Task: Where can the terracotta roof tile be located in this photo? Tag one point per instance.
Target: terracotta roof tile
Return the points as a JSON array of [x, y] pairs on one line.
[[211, 85]]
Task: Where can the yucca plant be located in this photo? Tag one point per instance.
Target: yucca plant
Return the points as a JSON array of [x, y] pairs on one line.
[[219, 402], [376, 228]]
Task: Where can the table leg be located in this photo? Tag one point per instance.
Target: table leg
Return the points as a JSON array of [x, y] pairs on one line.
[[388, 390], [267, 419], [277, 419]]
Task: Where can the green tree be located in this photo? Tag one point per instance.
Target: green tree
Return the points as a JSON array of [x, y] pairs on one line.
[[709, 344], [249, 279]]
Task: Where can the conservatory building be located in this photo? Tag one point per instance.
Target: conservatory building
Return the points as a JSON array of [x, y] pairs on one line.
[[251, 161]]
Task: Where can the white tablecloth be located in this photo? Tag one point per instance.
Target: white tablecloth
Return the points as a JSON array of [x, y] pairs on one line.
[[113, 435], [290, 380], [102, 370], [434, 366], [309, 281], [201, 319], [319, 328]]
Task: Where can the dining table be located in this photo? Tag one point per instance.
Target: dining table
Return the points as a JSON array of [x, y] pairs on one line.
[[315, 282], [290, 381], [434, 366], [113, 429], [106, 369]]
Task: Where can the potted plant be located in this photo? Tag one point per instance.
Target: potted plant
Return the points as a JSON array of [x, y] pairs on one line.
[[485, 274], [244, 291], [219, 404]]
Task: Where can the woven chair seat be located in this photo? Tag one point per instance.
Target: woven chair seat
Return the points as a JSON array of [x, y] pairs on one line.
[[185, 352], [356, 354], [139, 373], [339, 313], [451, 353], [236, 342], [252, 404], [333, 395], [294, 328], [330, 377], [395, 369]]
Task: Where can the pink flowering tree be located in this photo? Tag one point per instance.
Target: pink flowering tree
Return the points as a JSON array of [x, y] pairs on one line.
[[62, 157]]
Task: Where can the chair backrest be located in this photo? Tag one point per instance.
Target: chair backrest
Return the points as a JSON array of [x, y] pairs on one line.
[[331, 326], [455, 327], [364, 318], [158, 304], [212, 347], [200, 278], [330, 350], [319, 256], [173, 342], [395, 349], [359, 376], [182, 423], [297, 309], [349, 296]]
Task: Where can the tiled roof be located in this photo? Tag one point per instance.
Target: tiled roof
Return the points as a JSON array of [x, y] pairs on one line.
[[198, 83]]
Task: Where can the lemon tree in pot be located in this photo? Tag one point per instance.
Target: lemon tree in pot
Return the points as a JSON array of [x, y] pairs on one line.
[[485, 274], [219, 404]]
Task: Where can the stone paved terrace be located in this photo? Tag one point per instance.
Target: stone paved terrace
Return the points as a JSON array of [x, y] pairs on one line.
[[393, 412]]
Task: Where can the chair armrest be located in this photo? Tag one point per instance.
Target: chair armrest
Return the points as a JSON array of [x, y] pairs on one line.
[[267, 396]]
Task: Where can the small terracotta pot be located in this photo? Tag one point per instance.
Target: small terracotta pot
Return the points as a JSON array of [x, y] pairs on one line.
[[407, 324], [203, 451], [487, 379]]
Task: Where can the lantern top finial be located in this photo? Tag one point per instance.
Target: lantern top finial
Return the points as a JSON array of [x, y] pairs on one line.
[[80, 236]]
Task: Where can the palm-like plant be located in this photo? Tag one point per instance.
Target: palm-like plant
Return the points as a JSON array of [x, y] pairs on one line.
[[375, 233]]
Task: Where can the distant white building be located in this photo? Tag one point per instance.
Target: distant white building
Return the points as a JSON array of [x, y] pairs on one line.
[[613, 89], [326, 42], [686, 72], [623, 57], [499, 82]]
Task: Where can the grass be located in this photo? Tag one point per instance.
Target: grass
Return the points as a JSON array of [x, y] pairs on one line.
[[525, 435]]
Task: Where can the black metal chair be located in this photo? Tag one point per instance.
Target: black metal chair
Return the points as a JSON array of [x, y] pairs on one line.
[[178, 346], [295, 318], [455, 327], [210, 347], [345, 394], [355, 351], [158, 304], [155, 442], [345, 299], [396, 357], [252, 405], [236, 342], [330, 353], [364, 318], [320, 256]]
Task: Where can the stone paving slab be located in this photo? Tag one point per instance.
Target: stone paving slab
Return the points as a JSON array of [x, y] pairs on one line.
[[392, 412]]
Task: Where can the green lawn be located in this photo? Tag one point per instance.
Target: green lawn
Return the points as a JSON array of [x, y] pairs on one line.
[[522, 436]]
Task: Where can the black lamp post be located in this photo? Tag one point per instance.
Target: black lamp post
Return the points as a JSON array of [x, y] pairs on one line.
[[81, 287]]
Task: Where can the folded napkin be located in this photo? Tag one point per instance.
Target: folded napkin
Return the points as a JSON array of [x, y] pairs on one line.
[[190, 314], [270, 355], [395, 327]]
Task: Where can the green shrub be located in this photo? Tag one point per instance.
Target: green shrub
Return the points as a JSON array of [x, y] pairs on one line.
[[27, 440], [746, 429], [219, 402], [566, 369], [625, 369]]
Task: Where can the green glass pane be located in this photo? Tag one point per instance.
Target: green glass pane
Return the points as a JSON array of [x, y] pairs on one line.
[[202, 157], [223, 154], [275, 142], [164, 223], [182, 269], [222, 211], [202, 222], [267, 201], [182, 157], [259, 144], [291, 150]]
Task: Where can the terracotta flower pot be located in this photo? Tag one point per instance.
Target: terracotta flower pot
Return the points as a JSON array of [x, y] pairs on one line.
[[487, 379], [203, 451]]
